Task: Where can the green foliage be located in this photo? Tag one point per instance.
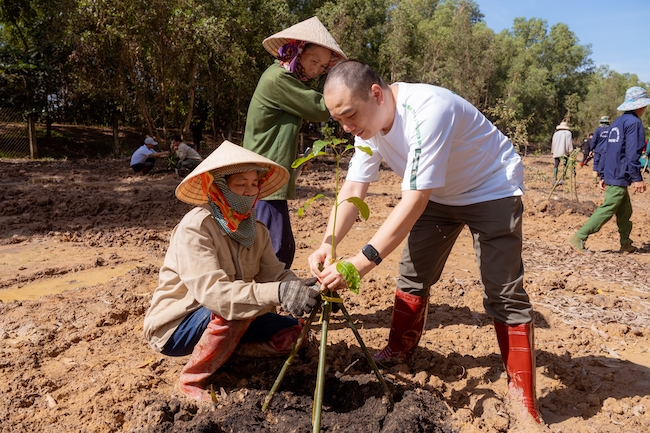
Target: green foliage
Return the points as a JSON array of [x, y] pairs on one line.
[[509, 121], [304, 207], [605, 92], [358, 25], [547, 67], [364, 211], [346, 269], [569, 174], [350, 274], [34, 46], [155, 65], [172, 160]]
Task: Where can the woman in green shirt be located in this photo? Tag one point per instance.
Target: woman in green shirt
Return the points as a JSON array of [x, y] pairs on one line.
[[282, 100]]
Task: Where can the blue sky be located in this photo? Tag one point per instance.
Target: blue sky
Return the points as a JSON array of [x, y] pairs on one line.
[[618, 30]]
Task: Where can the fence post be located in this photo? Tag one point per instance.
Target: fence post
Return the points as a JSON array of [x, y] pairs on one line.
[[33, 149]]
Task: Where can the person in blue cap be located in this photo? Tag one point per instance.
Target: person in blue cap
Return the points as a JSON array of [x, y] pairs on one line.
[[144, 158], [619, 168]]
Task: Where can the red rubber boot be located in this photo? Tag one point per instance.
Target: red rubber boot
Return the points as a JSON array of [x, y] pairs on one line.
[[409, 317], [518, 352], [217, 343]]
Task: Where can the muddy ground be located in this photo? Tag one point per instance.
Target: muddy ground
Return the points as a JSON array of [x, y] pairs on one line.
[[81, 242]]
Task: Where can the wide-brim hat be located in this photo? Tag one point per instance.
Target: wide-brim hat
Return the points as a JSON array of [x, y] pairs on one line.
[[604, 119], [311, 30], [562, 125], [635, 97], [228, 155]]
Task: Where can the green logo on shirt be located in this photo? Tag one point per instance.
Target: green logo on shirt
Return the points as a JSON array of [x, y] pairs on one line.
[[416, 157]]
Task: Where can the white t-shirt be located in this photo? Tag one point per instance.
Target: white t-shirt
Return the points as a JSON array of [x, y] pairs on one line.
[[439, 140], [141, 154]]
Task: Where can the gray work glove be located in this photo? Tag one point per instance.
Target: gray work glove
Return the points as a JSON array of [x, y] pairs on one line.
[[299, 297]]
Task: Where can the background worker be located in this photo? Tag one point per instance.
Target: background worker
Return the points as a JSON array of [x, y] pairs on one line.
[[585, 148], [282, 100], [220, 283], [561, 147], [619, 167], [144, 157], [188, 158], [599, 140], [457, 169]]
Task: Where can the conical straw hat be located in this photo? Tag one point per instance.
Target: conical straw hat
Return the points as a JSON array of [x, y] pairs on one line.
[[229, 154], [311, 30]]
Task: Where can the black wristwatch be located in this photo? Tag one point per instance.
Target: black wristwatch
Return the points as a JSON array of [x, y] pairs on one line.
[[371, 254]]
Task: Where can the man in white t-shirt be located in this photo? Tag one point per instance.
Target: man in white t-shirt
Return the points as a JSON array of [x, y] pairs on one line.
[[144, 157], [458, 169]]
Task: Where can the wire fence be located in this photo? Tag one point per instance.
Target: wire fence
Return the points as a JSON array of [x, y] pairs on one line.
[[14, 133]]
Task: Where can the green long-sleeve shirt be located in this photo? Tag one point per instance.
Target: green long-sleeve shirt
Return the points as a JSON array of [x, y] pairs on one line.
[[275, 115]]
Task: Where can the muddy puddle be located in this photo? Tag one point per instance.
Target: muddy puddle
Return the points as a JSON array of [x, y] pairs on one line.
[[75, 280], [31, 270]]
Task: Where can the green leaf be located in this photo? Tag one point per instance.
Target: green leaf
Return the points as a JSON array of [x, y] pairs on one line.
[[364, 211], [350, 274], [364, 149], [319, 145], [300, 161], [308, 202]]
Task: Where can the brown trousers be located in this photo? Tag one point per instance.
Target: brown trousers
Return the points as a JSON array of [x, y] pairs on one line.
[[496, 227]]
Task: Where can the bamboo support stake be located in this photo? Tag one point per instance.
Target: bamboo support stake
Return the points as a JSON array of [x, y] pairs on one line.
[[322, 364], [287, 363], [370, 359]]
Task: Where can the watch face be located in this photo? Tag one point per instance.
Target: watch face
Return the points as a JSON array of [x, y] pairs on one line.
[[370, 252]]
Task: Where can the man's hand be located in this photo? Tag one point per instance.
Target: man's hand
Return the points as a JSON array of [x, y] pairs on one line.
[[299, 297], [331, 279], [639, 186], [319, 259]]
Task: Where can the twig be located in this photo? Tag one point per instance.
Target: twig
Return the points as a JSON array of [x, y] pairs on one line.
[[352, 364], [569, 165], [370, 359], [287, 363]]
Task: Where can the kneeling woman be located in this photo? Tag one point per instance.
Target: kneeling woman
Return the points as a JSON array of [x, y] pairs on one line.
[[221, 283]]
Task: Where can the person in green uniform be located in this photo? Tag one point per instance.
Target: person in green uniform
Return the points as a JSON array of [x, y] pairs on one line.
[[282, 100]]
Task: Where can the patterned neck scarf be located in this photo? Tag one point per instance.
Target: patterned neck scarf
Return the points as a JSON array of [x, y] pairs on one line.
[[234, 213], [289, 56]]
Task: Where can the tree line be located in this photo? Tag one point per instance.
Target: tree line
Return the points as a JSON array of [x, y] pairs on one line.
[[160, 64]]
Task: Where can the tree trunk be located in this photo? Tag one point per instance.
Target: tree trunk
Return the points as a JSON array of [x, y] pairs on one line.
[[213, 98], [145, 113], [48, 127], [33, 149], [163, 85], [192, 89], [116, 134]]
